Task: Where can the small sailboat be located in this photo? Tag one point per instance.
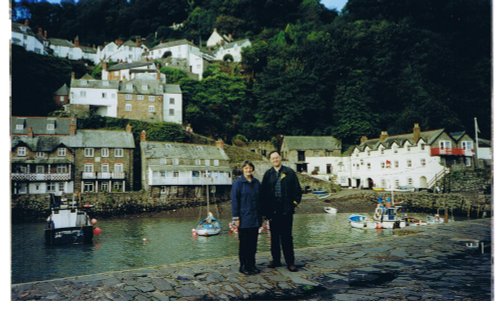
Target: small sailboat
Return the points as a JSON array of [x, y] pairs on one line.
[[209, 225]]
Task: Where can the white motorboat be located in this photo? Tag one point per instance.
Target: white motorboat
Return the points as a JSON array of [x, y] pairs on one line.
[[330, 210]]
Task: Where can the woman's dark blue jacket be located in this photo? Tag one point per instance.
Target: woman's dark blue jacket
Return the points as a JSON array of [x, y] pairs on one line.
[[245, 202]]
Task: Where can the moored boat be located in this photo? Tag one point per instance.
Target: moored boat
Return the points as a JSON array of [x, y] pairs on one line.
[[319, 192], [330, 210], [67, 223], [208, 226]]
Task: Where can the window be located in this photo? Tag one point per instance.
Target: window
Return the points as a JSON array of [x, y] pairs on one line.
[[151, 108], [21, 151], [50, 127], [467, 145], [444, 144], [196, 174], [103, 95], [128, 97], [171, 112], [88, 168], [61, 169], [51, 187], [422, 146], [61, 152], [382, 164], [408, 148], [151, 98], [89, 152], [162, 173], [369, 166], [118, 152], [128, 107], [19, 127], [175, 161], [60, 186], [197, 162], [83, 94], [410, 181], [118, 168], [207, 162], [88, 187], [395, 149], [163, 189], [117, 186], [396, 183], [104, 187], [40, 154], [422, 162], [176, 174], [381, 151], [368, 153], [408, 163], [396, 164], [40, 169], [216, 162], [140, 97], [104, 152], [105, 168], [468, 161]]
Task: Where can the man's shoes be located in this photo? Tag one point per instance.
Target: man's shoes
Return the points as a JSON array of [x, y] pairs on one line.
[[273, 265], [254, 270], [292, 268]]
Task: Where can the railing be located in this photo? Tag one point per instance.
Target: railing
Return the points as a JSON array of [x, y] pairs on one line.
[[103, 175], [40, 177], [198, 181], [437, 151], [431, 183]]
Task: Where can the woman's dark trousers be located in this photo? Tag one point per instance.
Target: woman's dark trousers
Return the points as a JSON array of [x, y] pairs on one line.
[[248, 247]]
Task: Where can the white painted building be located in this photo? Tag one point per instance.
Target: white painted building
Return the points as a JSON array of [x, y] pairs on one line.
[[23, 36], [122, 52], [233, 49], [100, 94], [74, 51], [172, 103], [215, 39], [181, 49]]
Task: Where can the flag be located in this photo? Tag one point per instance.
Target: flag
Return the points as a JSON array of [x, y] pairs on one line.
[[475, 126]]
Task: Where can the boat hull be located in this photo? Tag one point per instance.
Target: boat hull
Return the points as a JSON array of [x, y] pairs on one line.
[[66, 236]]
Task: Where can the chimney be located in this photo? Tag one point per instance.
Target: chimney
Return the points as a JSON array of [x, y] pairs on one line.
[[363, 139], [30, 132], [72, 128], [128, 128], [143, 135], [383, 135], [219, 143], [158, 75], [138, 42], [416, 132], [76, 41]]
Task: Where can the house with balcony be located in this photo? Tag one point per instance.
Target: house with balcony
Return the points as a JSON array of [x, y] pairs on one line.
[[298, 151], [173, 169], [418, 159], [41, 159], [103, 160]]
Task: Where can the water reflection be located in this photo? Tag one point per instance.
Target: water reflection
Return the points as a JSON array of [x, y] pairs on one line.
[[141, 242]]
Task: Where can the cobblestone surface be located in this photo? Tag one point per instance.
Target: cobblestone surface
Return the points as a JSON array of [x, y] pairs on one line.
[[433, 263]]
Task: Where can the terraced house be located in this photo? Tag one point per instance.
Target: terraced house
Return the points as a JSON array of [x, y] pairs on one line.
[[49, 155], [179, 169]]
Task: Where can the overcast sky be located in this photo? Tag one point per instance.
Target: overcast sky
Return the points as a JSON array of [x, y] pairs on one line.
[[334, 4]]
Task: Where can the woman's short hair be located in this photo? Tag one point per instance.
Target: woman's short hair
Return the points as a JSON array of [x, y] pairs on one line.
[[274, 151], [248, 162]]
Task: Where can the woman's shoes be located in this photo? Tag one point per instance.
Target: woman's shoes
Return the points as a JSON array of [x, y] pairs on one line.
[[249, 271]]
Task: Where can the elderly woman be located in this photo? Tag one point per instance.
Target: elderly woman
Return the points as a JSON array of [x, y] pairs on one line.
[[246, 216]]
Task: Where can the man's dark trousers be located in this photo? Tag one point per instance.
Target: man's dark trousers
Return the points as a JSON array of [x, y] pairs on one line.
[[281, 237]]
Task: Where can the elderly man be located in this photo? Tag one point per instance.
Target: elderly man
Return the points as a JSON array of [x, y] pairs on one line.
[[281, 193]]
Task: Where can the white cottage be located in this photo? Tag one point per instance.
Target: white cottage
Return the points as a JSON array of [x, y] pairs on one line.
[[232, 50], [123, 52], [23, 36], [99, 94]]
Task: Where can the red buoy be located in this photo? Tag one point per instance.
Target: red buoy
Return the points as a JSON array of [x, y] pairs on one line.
[[97, 231]]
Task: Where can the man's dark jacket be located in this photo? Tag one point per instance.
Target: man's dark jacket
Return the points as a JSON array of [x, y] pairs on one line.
[[291, 192]]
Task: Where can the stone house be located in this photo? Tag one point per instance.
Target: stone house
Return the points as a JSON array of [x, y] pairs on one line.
[[296, 150], [261, 147], [150, 100], [174, 169], [40, 158], [103, 160]]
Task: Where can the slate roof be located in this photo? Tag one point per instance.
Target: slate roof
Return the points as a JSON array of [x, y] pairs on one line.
[[38, 143], [60, 42], [235, 43], [428, 136], [100, 139], [172, 150], [62, 91], [122, 66], [154, 87], [95, 84], [173, 43], [312, 143], [39, 125]]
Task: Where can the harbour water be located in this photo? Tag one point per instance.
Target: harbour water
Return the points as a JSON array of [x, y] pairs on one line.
[[129, 243]]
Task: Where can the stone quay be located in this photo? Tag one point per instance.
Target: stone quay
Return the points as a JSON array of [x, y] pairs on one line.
[[445, 262]]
